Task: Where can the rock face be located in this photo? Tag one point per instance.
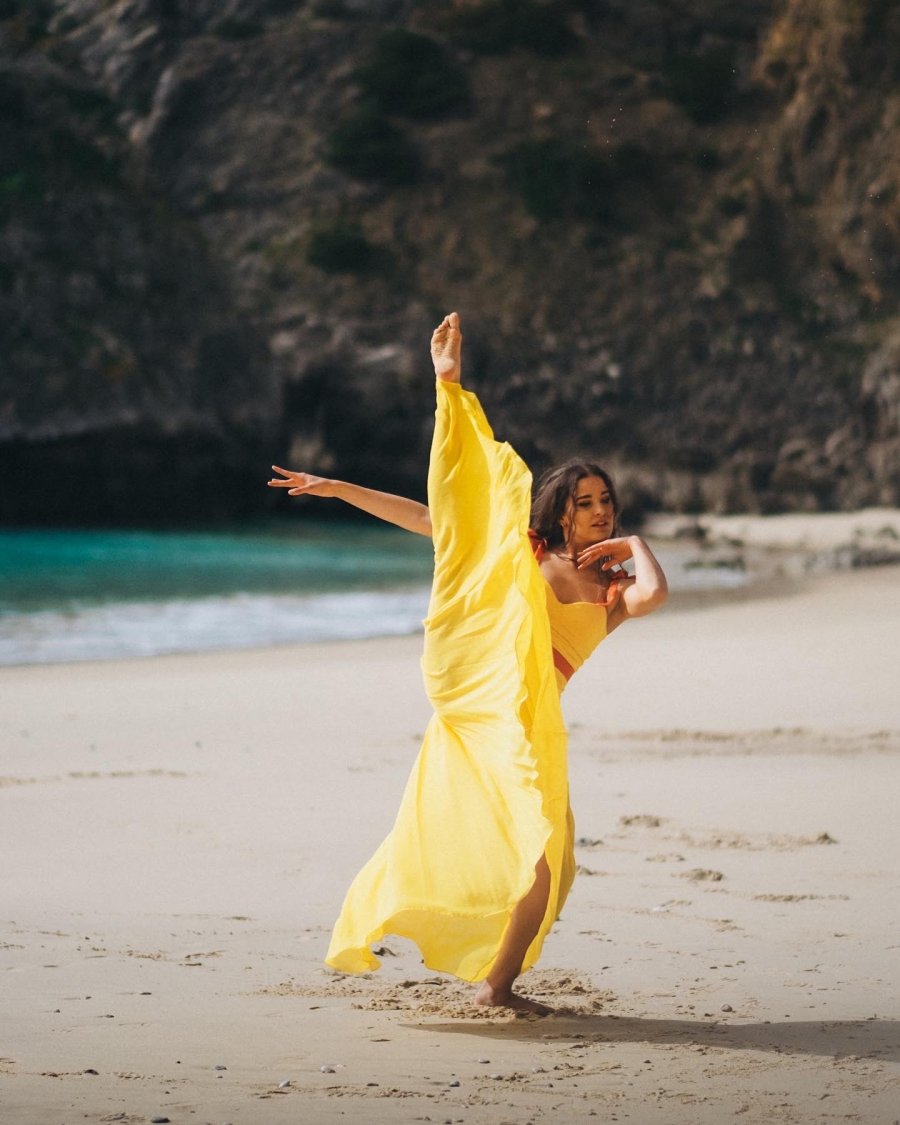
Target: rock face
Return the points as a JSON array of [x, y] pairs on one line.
[[226, 230]]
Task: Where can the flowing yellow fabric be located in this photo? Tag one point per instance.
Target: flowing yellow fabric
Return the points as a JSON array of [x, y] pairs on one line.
[[488, 794]]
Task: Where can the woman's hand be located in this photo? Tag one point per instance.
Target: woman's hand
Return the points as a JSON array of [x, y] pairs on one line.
[[303, 484], [644, 592], [609, 553], [446, 346]]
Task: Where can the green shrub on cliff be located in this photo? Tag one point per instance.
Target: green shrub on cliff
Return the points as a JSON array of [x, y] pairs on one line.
[[703, 84], [341, 248], [414, 76], [368, 147], [560, 178]]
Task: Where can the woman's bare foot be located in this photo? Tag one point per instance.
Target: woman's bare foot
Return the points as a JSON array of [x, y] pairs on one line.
[[489, 997], [446, 345]]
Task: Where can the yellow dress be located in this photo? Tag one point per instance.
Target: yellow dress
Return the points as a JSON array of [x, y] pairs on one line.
[[488, 794]]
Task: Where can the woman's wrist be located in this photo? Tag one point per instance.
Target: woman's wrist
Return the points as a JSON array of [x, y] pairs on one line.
[[635, 543]]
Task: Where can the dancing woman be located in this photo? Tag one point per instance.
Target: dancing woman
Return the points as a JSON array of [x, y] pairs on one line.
[[481, 856]]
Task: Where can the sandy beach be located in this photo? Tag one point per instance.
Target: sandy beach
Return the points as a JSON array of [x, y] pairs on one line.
[[178, 833]]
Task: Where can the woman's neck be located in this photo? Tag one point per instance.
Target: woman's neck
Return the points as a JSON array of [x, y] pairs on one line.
[[571, 550]]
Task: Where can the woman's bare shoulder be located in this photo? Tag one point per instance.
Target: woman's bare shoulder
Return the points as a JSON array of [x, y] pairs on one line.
[[561, 577], [553, 567]]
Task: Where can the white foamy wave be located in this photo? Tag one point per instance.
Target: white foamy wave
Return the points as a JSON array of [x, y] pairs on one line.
[[151, 628]]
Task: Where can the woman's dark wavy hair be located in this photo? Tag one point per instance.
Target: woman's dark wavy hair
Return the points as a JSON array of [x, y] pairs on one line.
[[555, 489]]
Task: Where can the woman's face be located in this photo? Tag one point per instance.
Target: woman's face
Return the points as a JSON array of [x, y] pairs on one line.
[[590, 515]]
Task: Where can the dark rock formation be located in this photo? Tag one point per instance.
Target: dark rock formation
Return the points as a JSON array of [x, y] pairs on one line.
[[226, 229]]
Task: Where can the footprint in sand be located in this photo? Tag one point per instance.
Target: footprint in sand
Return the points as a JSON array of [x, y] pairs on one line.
[[701, 875], [642, 820]]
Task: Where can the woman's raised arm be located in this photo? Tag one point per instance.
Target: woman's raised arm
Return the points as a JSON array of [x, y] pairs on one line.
[[399, 510]]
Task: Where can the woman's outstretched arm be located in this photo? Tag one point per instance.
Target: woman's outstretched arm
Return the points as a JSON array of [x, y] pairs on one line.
[[405, 513]]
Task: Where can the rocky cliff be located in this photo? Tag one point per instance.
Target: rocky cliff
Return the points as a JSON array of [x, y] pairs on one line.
[[671, 227]]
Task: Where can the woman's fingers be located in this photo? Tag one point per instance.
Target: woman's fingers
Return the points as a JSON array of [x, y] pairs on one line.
[[608, 552], [301, 484], [292, 479]]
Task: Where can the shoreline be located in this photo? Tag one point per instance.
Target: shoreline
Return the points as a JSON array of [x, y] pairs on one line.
[[712, 559], [791, 581]]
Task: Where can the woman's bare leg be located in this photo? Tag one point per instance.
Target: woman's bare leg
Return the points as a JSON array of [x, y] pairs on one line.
[[524, 924]]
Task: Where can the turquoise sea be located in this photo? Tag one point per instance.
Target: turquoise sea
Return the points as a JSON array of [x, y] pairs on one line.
[[92, 595]]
